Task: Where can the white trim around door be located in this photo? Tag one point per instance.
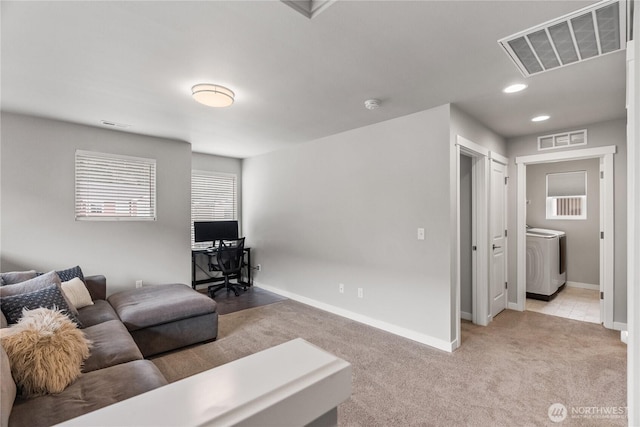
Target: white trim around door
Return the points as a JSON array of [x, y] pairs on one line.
[[605, 154], [480, 221]]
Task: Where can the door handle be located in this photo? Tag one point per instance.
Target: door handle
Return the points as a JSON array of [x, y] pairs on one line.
[[496, 247]]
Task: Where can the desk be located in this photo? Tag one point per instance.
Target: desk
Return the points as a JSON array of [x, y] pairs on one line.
[[212, 279]]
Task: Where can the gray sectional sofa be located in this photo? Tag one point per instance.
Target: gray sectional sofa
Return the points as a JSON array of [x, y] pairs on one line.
[[124, 328]]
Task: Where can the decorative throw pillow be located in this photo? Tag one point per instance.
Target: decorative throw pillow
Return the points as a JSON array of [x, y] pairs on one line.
[[76, 292], [49, 297], [70, 273], [13, 277], [46, 351], [35, 284]]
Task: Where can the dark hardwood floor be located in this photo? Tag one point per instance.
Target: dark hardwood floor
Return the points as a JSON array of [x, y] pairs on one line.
[[252, 297]]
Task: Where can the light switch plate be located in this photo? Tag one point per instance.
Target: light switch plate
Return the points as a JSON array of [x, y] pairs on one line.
[[420, 233]]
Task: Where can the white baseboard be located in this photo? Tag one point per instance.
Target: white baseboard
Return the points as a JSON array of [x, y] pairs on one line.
[[379, 324], [582, 285], [466, 316], [513, 306], [624, 337], [619, 326]]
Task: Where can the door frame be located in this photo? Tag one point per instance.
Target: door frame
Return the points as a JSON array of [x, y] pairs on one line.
[[479, 233], [605, 154]]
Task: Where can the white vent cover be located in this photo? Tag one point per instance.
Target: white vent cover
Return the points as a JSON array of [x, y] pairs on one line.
[[562, 140], [308, 8], [587, 33]]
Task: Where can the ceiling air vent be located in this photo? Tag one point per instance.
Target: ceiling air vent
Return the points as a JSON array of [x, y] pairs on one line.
[[308, 8], [587, 33]]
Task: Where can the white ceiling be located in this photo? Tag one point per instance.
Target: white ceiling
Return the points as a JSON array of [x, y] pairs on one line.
[[295, 79]]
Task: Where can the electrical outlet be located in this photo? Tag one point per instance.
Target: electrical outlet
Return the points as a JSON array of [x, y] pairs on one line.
[[360, 293], [341, 288], [138, 283], [259, 267]]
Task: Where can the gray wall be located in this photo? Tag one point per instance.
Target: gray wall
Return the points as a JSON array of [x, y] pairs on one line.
[[468, 127], [38, 228], [583, 236], [346, 208], [599, 134]]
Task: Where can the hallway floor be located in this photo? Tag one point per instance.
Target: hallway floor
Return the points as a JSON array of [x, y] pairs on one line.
[[572, 303]]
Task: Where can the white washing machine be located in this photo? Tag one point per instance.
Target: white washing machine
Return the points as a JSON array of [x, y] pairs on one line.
[[546, 263]]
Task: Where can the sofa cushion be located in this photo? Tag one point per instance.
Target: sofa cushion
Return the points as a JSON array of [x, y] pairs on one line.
[[155, 305], [35, 284], [76, 292], [7, 388], [112, 345], [99, 312], [13, 277], [50, 297], [93, 390], [97, 286], [46, 351], [70, 273]]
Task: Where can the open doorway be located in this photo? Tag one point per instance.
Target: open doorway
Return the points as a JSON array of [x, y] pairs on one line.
[[472, 189], [563, 234], [481, 239], [606, 234]]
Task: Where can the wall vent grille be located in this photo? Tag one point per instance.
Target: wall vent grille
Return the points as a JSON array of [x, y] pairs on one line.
[[562, 140], [308, 8], [587, 33]]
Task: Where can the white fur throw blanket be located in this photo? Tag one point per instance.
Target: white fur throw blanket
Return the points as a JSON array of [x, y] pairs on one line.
[[46, 351]]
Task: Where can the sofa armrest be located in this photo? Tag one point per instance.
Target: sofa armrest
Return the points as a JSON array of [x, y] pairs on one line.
[[97, 286]]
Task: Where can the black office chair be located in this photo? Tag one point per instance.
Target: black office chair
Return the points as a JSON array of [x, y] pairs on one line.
[[229, 256]]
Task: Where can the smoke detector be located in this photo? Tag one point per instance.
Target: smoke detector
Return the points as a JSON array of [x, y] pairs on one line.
[[371, 104]]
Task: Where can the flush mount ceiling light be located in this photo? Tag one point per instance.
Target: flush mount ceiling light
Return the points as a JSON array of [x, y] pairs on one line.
[[212, 95], [515, 88], [541, 118]]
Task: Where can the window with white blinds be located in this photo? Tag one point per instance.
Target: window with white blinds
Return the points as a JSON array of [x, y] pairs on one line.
[[114, 187], [567, 195], [213, 197]]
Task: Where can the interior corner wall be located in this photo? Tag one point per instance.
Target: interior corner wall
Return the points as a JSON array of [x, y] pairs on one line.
[[38, 228], [346, 209], [611, 132], [468, 127], [231, 165]]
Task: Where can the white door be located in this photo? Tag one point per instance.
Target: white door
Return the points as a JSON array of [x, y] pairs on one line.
[[497, 240]]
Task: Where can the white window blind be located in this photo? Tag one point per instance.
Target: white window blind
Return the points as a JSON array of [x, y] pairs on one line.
[[567, 195], [213, 197], [114, 187]]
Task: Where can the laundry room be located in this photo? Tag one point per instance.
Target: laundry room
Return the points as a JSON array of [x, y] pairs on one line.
[[563, 239]]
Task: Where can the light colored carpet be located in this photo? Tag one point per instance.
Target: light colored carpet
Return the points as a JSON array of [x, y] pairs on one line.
[[505, 374]]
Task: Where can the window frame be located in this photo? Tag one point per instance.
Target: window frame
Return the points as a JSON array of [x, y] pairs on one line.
[[214, 174], [115, 158], [552, 201]]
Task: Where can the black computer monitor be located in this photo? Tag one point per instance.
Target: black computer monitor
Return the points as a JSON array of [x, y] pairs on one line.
[[210, 231]]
